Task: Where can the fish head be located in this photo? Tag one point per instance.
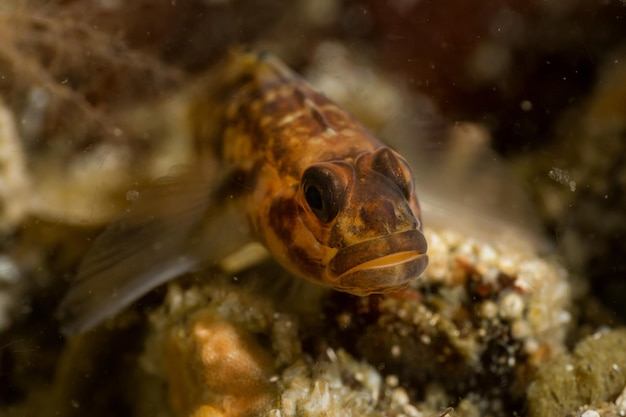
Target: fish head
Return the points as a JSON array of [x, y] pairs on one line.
[[354, 225]]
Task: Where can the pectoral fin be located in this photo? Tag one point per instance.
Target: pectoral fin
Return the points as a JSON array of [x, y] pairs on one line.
[[175, 225]]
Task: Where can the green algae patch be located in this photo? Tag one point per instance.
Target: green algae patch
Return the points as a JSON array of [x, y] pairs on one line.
[[595, 372]]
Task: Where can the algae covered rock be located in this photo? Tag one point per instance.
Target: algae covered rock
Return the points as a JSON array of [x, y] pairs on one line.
[[592, 376]]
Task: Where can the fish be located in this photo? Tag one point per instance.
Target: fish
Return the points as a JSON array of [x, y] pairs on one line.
[[288, 168]]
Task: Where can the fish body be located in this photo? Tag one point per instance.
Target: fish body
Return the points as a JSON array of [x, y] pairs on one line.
[[330, 202]]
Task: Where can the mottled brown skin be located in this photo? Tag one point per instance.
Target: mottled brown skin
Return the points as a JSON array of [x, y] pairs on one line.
[[331, 203], [293, 170]]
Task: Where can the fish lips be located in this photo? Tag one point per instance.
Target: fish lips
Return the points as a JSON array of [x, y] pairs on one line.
[[379, 265]]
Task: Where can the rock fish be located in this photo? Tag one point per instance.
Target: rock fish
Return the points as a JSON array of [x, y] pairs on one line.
[[297, 173]]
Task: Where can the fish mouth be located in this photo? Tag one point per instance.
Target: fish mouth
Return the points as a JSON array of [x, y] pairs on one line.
[[379, 265]]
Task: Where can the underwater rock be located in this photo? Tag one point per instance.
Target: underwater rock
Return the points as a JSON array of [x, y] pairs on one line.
[[485, 322], [474, 337], [589, 380]]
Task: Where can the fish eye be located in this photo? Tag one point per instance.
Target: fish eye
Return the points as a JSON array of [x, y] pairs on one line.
[[323, 192], [387, 163]]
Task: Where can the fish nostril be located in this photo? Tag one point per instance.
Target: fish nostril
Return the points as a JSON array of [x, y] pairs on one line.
[[405, 218]]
